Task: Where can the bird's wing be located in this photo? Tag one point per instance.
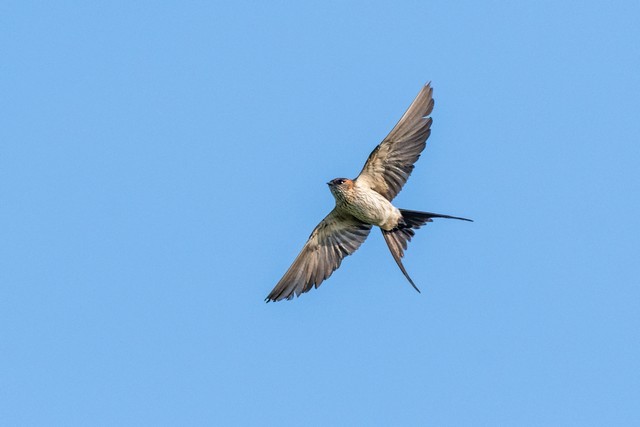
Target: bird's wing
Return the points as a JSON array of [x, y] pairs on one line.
[[338, 235], [390, 163]]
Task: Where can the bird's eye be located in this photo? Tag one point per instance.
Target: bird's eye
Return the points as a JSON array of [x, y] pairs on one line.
[[341, 181]]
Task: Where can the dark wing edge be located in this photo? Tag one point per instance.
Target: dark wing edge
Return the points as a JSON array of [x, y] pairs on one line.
[[390, 164], [337, 236]]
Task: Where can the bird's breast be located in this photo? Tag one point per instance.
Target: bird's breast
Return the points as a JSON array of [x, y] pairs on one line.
[[372, 208]]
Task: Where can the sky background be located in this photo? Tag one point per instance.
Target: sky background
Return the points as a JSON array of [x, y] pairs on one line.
[[161, 165]]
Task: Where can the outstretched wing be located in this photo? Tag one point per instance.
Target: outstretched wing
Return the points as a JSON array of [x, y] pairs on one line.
[[338, 235], [390, 164]]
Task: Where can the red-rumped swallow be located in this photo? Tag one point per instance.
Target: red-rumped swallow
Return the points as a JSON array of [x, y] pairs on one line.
[[364, 202]]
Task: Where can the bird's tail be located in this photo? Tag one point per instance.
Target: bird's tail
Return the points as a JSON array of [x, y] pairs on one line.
[[398, 238]]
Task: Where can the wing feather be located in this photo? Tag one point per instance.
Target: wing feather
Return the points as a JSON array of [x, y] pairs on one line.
[[337, 236], [390, 164]]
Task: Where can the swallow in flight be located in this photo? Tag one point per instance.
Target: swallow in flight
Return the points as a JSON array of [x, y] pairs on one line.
[[364, 202]]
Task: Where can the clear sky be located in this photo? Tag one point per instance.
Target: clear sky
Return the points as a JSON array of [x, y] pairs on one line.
[[161, 165]]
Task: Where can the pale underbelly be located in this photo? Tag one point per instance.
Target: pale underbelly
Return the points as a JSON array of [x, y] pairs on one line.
[[376, 211]]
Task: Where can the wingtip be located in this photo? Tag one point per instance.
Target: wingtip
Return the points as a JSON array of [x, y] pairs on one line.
[[271, 298]]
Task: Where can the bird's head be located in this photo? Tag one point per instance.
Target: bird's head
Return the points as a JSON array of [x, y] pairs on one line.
[[340, 186]]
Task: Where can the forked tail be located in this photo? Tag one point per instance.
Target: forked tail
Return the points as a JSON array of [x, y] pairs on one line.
[[398, 238]]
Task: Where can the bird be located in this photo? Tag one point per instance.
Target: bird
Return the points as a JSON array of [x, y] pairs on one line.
[[364, 202]]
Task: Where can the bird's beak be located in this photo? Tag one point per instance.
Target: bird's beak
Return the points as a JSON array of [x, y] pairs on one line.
[[329, 183]]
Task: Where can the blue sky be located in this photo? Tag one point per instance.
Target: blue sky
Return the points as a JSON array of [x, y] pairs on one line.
[[161, 165]]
